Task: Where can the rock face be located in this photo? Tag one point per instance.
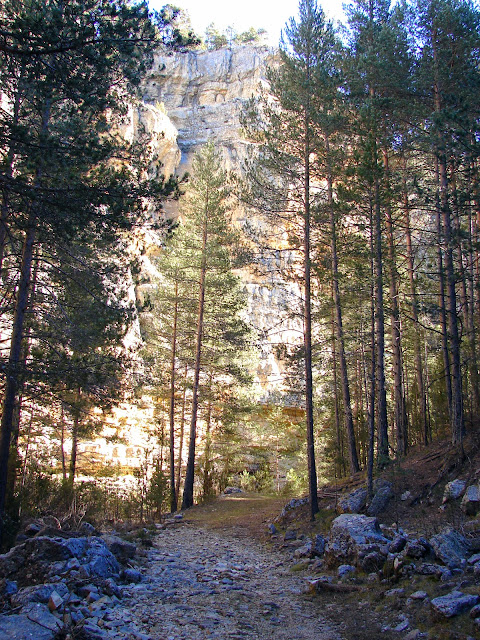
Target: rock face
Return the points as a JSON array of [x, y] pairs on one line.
[[201, 92], [198, 96]]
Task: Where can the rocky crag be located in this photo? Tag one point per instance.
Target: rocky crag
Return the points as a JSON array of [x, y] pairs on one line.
[[191, 98]]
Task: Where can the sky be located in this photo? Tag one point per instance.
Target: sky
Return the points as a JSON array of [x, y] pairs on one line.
[[243, 14]]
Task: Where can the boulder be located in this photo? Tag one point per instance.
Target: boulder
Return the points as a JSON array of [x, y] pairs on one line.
[[351, 536], [453, 490], [319, 545], [11, 562], [294, 503], [355, 501], [429, 569], [345, 570], [101, 562], [450, 547], [38, 593], [416, 549], [290, 534], [453, 603], [380, 500], [39, 625], [231, 490], [305, 551], [371, 561], [88, 529], [131, 575], [397, 544], [47, 549], [471, 500], [121, 549]]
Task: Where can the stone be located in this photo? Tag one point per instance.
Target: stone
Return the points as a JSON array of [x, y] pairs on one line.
[[345, 570], [454, 603], [372, 561], [33, 528], [397, 544], [429, 569], [131, 575], [354, 502], [419, 595], [20, 627], [352, 535], [450, 547], [293, 504], [40, 614], [77, 546], [415, 549], [85, 590], [380, 500], [402, 626], [319, 545], [453, 490], [10, 587], [471, 500], [393, 593], [305, 551], [232, 490], [121, 549], [475, 612], [101, 562], [38, 593], [406, 495], [55, 601], [272, 529], [290, 534], [474, 559], [87, 529]]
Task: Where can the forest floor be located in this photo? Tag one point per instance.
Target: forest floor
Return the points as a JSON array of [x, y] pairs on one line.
[[215, 575]]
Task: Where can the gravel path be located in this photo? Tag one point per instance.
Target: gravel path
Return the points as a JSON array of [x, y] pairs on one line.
[[200, 584]]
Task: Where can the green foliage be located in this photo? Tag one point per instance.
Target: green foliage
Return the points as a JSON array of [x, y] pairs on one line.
[[175, 28], [215, 39]]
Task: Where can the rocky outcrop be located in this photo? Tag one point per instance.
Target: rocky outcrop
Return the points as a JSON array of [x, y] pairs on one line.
[[353, 537], [202, 93]]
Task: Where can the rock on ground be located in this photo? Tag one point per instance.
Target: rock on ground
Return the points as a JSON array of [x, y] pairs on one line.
[[199, 585]]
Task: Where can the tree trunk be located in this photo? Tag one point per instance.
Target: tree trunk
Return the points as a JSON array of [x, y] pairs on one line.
[[72, 467], [347, 405], [207, 469], [417, 346], [457, 418], [190, 472], [14, 360], [382, 429], [400, 416], [182, 431], [307, 326], [173, 493], [13, 378]]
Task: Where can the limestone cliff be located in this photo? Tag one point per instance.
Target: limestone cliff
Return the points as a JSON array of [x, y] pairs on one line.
[[202, 93], [197, 96]]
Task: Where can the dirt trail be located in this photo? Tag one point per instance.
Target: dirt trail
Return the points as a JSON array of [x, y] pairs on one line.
[[208, 577]]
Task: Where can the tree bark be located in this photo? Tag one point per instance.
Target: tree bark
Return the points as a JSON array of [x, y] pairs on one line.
[[400, 416], [417, 346], [187, 501], [347, 405], [173, 493]]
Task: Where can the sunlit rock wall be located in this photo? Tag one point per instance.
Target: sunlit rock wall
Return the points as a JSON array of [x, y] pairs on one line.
[[202, 93]]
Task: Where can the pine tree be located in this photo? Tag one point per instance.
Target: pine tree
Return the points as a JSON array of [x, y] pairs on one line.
[[73, 63]]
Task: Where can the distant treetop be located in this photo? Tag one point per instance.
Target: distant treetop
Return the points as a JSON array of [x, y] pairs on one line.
[[175, 28]]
